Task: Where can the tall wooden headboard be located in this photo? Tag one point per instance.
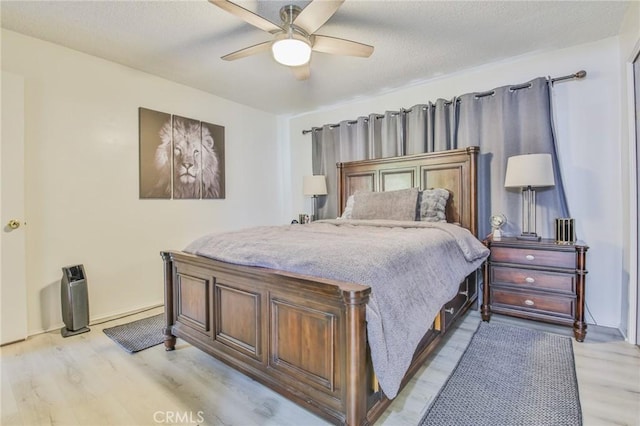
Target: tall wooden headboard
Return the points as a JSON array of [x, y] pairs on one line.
[[454, 170]]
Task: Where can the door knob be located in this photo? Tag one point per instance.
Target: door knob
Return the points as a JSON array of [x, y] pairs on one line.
[[14, 224]]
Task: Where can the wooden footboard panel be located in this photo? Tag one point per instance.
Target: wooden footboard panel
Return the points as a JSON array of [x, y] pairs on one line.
[[302, 337]]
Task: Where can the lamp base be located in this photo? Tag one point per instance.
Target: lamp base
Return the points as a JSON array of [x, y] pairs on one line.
[[529, 236]]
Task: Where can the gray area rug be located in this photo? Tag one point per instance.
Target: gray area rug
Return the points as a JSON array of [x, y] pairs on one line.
[[510, 376], [138, 335]]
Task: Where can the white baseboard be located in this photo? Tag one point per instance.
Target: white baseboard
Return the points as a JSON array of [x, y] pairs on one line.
[[103, 318]]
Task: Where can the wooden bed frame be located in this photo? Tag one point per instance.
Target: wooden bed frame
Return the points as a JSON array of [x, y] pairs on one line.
[[302, 336]]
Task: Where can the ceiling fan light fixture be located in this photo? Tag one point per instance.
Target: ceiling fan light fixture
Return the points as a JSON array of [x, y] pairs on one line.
[[294, 39], [291, 49]]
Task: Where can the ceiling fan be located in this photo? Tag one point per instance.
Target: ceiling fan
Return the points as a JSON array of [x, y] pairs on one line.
[[295, 38]]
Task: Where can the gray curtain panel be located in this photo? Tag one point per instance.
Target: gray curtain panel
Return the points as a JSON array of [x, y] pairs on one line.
[[392, 134], [419, 128], [354, 140], [506, 121], [430, 127], [374, 126], [325, 154]]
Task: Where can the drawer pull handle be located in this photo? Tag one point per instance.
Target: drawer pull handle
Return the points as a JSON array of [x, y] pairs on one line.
[[530, 257], [449, 311], [464, 293], [530, 280], [529, 302]]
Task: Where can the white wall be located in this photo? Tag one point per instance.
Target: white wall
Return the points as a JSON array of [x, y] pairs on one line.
[[588, 130], [82, 206]]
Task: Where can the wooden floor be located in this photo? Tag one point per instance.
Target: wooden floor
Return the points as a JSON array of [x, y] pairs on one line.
[[88, 380]]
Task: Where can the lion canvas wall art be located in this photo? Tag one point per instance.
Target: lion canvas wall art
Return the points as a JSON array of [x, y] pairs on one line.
[[180, 158]]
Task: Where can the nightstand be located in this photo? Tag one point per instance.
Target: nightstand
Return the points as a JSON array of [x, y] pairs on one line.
[[537, 280]]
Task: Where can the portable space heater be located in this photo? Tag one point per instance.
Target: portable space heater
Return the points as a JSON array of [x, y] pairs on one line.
[[75, 301]]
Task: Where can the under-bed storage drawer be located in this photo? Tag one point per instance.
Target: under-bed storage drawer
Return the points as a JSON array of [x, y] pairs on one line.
[[465, 297]]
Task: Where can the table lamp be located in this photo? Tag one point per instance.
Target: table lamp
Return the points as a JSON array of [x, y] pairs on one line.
[[314, 186], [528, 172]]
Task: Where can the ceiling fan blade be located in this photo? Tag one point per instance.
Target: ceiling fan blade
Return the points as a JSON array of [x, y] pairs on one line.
[[340, 46], [302, 72], [316, 14], [247, 16], [248, 51]]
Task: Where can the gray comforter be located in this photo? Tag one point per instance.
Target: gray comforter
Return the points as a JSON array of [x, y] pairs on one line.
[[413, 268]]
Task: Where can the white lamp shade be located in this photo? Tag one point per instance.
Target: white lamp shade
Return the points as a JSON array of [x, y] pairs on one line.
[[291, 49], [534, 170], [314, 185]]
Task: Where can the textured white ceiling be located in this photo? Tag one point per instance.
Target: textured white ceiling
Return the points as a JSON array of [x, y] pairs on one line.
[[414, 40]]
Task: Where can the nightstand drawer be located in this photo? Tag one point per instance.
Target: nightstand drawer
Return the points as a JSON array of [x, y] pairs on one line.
[[531, 257], [534, 279], [546, 304]]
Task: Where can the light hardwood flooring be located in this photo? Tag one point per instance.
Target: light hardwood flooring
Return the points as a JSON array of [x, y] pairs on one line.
[[88, 380]]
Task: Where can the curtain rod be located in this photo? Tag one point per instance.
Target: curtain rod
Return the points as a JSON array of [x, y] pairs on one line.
[[575, 76]]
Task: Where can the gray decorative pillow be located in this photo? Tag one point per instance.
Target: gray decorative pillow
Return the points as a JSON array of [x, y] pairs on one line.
[[433, 205], [390, 205], [346, 214]]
